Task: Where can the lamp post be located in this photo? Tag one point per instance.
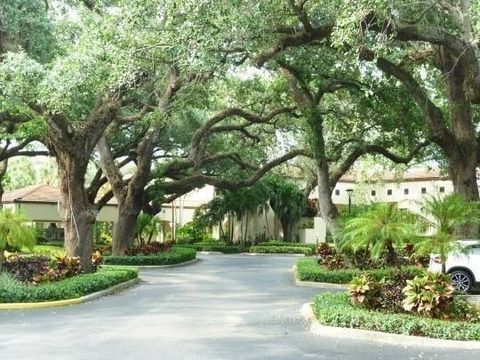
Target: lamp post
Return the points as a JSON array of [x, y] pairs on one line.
[[349, 192]]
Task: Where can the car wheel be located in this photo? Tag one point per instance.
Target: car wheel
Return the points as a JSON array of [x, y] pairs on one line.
[[461, 279]]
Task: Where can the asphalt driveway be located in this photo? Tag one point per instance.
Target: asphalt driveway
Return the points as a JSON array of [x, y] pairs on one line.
[[223, 307]]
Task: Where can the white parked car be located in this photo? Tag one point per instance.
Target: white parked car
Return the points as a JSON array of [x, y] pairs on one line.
[[462, 265]]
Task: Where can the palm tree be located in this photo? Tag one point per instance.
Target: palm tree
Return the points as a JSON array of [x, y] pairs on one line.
[[146, 227], [15, 232], [288, 203], [383, 227], [442, 217]]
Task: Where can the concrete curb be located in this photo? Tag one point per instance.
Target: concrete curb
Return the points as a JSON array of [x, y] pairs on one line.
[[162, 266], [380, 337], [80, 300], [210, 253], [315, 284]]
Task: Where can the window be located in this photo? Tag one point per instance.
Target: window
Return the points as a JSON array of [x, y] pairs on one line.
[[374, 193], [389, 192], [424, 190], [405, 191], [442, 189], [337, 192]]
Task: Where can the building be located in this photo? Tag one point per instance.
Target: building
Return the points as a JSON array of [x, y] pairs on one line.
[[41, 204]]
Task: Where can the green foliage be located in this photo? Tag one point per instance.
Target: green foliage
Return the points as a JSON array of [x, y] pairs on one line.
[[379, 230], [190, 233], [217, 247], [430, 295], [286, 199], [146, 227], [443, 216], [14, 231], [177, 256], [365, 292], [291, 249], [13, 291], [309, 270], [336, 310]]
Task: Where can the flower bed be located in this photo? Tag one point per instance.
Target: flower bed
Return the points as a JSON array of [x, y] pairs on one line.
[[336, 310], [310, 270], [176, 256], [14, 291]]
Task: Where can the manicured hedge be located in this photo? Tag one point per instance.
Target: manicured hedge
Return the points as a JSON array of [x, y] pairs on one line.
[[177, 256], [262, 249], [336, 310], [313, 247], [216, 247], [309, 270], [12, 291]]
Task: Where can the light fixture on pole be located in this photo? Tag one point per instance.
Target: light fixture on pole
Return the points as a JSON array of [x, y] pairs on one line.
[[349, 192]]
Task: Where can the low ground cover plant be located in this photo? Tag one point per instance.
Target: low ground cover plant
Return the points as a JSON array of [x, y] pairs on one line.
[[177, 255], [15, 291]]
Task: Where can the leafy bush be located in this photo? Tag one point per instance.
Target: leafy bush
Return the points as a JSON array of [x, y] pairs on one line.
[[25, 268], [149, 249], [13, 291], [386, 294], [309, 270], [329, 257], [190, 233], [286, 244], [261, 249], [176, 256], [430, 295], [336, 310], [37, 269], [365, 292]]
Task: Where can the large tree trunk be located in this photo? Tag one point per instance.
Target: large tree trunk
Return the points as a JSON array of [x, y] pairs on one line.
[[287, 228], [78, 214], [3, 171], [124, 231], [463, 154], [328, 210]]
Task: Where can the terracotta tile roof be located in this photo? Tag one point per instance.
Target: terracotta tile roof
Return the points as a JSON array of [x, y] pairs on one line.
[[37, 193]]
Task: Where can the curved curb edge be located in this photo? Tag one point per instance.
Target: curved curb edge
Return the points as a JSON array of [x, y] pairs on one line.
[[320, 285], [58, 303], [380, 337]]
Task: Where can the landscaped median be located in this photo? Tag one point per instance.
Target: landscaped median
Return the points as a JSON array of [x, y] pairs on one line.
[[335, 311], [18, 295], [178, 255], [309, 270]]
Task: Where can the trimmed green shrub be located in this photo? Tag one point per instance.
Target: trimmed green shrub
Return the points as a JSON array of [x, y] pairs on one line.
[[309, 270], [176, 256], [216, 247], [262, 249], [13, 291], [336, 310], [289, 244]]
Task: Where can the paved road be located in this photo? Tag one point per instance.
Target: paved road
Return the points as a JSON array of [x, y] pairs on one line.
[[223, 307]]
